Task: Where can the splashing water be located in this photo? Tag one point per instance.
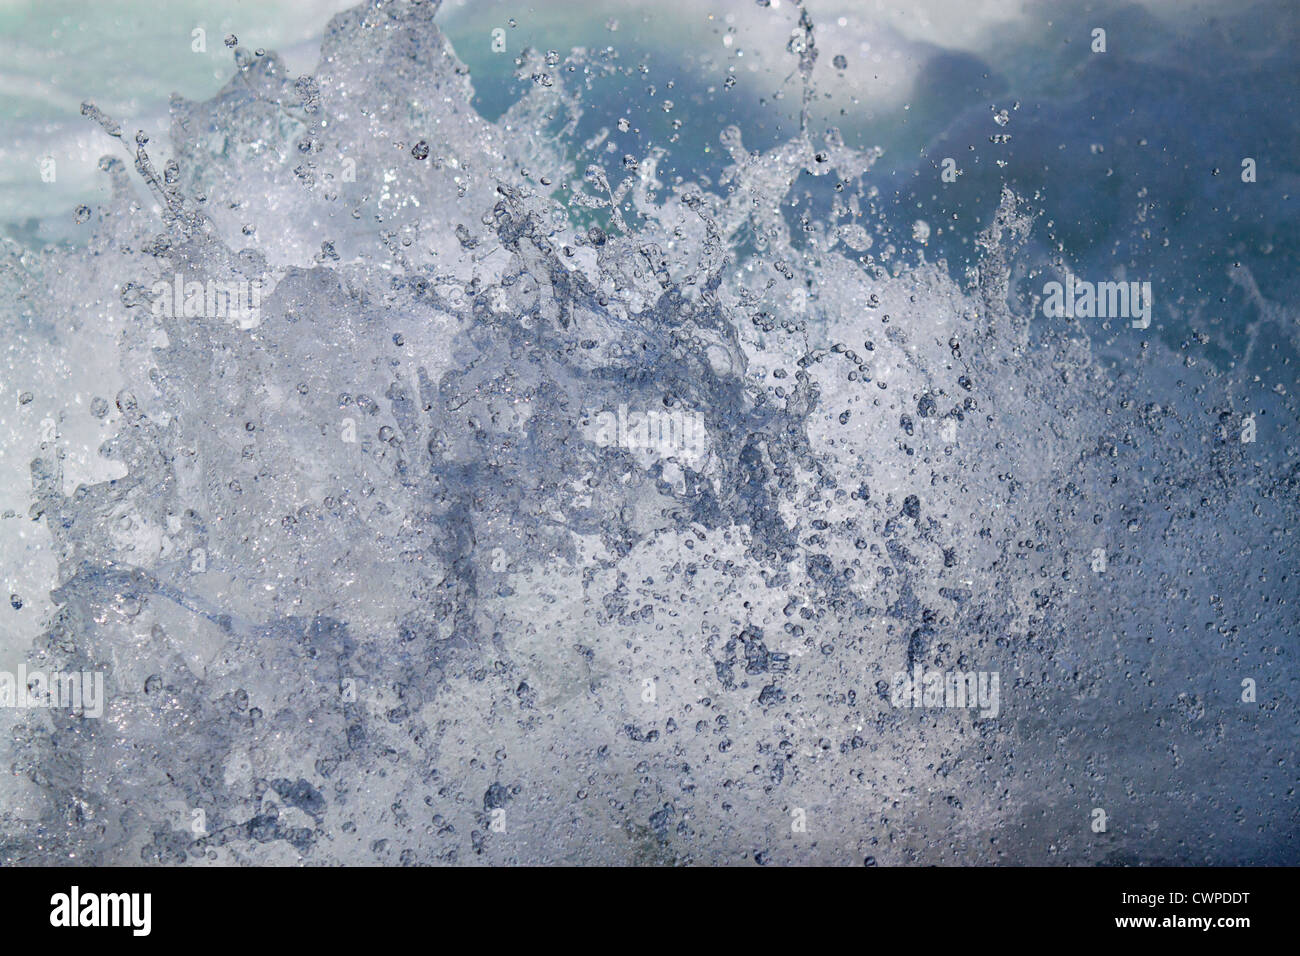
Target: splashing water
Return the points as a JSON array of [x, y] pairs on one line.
[[412, 563]]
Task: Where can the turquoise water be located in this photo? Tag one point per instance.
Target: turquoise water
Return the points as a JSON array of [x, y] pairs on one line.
[[1103, 144]]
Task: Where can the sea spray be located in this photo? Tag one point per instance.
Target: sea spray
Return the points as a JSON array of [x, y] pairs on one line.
[[367, 590]]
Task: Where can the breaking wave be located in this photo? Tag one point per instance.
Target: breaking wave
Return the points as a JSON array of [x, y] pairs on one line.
[[367, 586]]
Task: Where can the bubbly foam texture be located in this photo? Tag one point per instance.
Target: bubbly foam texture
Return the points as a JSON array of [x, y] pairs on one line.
[[366, 588]]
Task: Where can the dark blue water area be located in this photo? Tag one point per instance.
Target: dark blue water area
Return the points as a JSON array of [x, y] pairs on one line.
[[1134, 158]]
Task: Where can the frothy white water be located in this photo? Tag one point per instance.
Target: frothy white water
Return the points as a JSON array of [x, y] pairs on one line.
[[365, 590]]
